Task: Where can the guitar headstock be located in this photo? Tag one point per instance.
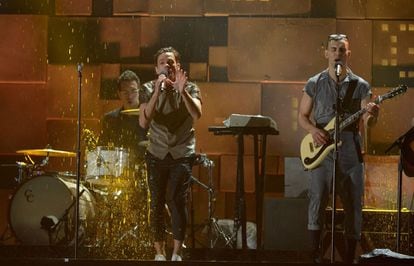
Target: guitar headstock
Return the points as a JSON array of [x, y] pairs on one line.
[[392, 93]]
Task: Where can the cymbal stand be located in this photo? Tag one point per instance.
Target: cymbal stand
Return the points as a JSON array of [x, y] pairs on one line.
[[29, 168], [212, 222], [21, 171]]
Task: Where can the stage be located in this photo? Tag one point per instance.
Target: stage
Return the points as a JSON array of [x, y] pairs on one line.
[[30, 255]]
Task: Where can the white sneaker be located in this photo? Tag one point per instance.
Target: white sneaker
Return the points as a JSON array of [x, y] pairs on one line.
[[160, 257], [176, 257]]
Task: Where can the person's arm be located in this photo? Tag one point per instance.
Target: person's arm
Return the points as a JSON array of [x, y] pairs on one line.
[[147, 109], [193, 105], [319, 136]]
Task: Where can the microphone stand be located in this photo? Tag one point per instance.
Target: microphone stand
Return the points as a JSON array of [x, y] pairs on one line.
[[78, 154], [399, 142], [338, 111]]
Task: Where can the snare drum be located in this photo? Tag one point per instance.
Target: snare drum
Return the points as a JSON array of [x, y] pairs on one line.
[[38, 207], [105, 164]]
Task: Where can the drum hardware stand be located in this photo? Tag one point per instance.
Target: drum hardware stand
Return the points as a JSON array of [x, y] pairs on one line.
[[21, 170], [4, 237], [130, 232], [78, 157], [26, 170], [212, 223], [44, 162], [31, 166], [100, 160], [51, 223]]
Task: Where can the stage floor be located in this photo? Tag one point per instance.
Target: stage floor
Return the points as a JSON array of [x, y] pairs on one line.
[[31, 255]]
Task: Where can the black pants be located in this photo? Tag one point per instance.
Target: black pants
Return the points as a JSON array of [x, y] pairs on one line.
[[168, 182]]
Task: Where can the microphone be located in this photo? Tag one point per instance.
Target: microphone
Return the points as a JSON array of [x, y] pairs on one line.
[[163, 86], [338, 68], [80, 67]]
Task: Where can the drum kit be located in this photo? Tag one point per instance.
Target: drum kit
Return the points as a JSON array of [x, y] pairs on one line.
[[113, 203]]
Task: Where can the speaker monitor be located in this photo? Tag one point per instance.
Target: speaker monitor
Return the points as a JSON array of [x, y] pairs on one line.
[[296, 179], [285, 225]]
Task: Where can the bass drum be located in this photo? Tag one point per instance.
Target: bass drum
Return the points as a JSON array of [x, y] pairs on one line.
[[42, 210]]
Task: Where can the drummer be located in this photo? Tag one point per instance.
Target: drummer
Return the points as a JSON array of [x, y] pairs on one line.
[[121, 128]]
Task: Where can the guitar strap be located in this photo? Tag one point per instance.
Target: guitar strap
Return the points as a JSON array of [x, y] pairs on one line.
[[346, 105]]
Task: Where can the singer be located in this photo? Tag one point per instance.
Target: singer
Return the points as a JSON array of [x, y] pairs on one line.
[[169, 105], [318, 100]]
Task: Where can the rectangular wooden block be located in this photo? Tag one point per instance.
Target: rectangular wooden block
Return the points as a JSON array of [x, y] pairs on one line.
[[281, 101], [122, 7], [359, 33], [176, 8], [73, 7], [23, 115], [228, 173], [277, 57], [381, 184], [23, 48], [218, 104], [384, 9], [115, 30], [351, 9], [257, 7], [63, 89], [395, 118]]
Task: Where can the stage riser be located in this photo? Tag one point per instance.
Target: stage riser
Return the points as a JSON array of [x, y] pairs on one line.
[[286, 227], [379, 230]]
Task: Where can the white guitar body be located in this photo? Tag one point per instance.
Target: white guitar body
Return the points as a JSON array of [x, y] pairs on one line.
[[311, 154]]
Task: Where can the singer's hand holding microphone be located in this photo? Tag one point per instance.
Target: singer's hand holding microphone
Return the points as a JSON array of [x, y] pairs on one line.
[[164, 82], [167, 84]]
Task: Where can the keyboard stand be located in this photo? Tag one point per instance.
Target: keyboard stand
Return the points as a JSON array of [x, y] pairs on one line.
[[240, 202]]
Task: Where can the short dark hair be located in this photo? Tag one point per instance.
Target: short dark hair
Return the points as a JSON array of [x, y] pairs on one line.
[[164, 50], [127, 75]]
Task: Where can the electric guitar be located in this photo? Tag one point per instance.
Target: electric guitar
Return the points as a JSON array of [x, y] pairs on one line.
[[312, 155]]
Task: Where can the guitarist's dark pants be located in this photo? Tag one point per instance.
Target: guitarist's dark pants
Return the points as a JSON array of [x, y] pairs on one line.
[[350, 187]]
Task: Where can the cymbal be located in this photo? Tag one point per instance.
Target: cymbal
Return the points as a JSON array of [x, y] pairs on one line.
[[47, 152], [130, 111]]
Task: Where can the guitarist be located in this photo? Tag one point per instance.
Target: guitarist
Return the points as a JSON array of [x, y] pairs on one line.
[[316, 109]]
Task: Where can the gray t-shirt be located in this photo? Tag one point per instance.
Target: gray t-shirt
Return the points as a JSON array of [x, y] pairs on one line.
[[321, 88], [171, 129]]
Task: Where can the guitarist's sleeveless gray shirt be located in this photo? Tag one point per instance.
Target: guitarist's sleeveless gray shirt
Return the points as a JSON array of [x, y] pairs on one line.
[[321, 88]]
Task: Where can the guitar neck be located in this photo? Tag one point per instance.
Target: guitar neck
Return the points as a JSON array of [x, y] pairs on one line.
[[351, 119]]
